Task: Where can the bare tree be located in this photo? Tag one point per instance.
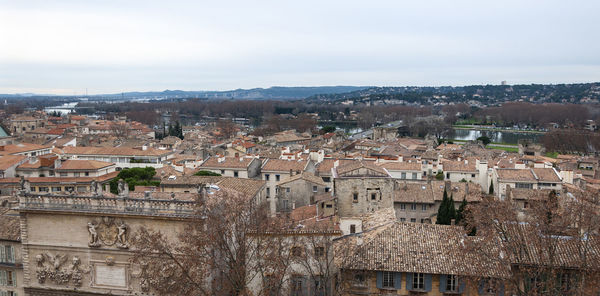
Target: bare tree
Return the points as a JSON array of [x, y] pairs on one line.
[[551, 246], [216, 251]]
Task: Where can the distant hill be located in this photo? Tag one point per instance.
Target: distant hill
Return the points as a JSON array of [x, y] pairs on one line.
[[271, 93], [483, 94]]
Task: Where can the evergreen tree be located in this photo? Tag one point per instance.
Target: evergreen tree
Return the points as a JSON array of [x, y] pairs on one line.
[[178, 130], [451, 210], [492, 187], [442, 215], [460, 214]]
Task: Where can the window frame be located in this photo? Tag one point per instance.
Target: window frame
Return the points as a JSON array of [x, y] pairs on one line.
[[387, 281], [452, 283], [418, 281]]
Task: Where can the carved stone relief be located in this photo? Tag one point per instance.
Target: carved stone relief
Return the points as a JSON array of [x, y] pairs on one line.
[[108, 232], [50, 268]]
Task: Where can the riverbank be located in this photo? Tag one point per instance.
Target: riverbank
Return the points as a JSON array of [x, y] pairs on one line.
[[495, 129]]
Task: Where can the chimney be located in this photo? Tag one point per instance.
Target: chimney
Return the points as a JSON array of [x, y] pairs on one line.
[[291, 172], [467, 188], [144, 147], [448, 186], [33, 159], [452, 221], [508, 190], [57, 163]]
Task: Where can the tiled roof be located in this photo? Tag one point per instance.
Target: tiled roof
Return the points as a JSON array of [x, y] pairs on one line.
[[247, 187], [7, 161], [11, 227], [516, 175], [114, 151], [546, 175], [414, 248], [307, 176], [227, 162], [459, 166], [401, 166], [283, 165], [22, 147], [347, 168], [76, 164], [414, 192]]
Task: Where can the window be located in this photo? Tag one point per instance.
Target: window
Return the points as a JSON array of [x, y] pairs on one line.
[[424, 174], [32, 189], [414, 176], [277, 178], [452, 283], [352, 228], [319, 287], [329, 206], [402, 219], [63, 174], [447, 175], [354, 197], [296, 251], [413, 207], [69, 189], [326, 179], [268, 192], [43, 189], [297, 286], [403, 176], [87, 174], [235, 173], [422, 220], [319, 251], [56, 189], [424, 208], [403, 206], [81, 188], [388, 279], [472, 175], [525, 205], [222, 172], [565, 280], [287, 190], [315, 189], [266, 177], [524, 185], [413, 220], [8, 278], [327, 189], [418, 282], [373, 196], [7, 254], [360, 279], [76, 174]]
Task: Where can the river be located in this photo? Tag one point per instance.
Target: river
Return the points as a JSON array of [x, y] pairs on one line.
[[65, 108], [496, 136]]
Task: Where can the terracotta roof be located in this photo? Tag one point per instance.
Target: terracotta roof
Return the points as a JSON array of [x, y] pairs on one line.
[[415, 248], [325, 166], [307, 176], [348, 168], [11, 226], [401, 166], [227, 162], [459, 166], [7, 161], [76, 164], [61, 180], [546, 175], [248, 187], [22, 147], [516, 175], [114, 151], [414, 193], [529, 194], [283, 165]]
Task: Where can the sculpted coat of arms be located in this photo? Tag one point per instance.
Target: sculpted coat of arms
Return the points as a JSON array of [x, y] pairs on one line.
[[109, 232]]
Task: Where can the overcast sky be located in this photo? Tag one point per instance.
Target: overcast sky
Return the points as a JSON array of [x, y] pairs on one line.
[[64, 47]]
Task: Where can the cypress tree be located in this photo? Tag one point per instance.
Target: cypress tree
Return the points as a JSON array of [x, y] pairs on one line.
[[492, 187], [451, 210], [460, 214], [442, 215]]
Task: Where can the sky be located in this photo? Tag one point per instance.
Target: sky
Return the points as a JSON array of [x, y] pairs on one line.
[[66, 47]]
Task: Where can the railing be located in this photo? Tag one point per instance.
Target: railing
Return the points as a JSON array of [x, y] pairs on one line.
[[101, 204]]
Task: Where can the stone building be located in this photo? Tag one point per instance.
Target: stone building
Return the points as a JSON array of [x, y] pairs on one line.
[[361, 188], [299, 190], [79, 244], [11, 267]]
